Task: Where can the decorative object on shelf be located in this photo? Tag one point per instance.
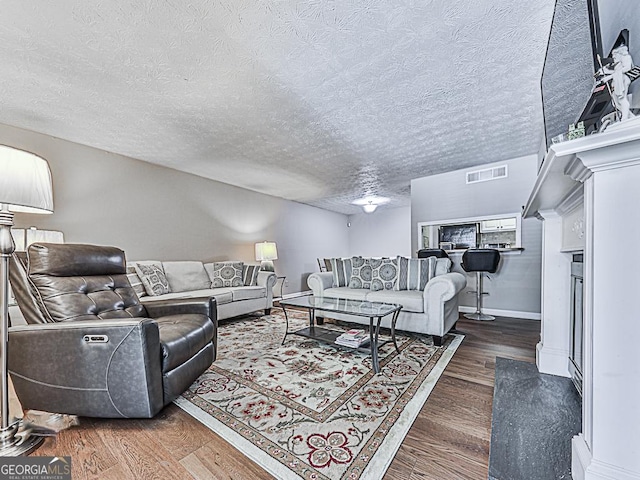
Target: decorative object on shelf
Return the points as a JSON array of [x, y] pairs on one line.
[[266, 253], [370, 203], [576, 130], [609, 102], [25, 186], [617, 80]]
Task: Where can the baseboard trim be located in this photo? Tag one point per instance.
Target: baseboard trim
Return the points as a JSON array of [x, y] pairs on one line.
[[585, 467], [552, 361], [503, 313]]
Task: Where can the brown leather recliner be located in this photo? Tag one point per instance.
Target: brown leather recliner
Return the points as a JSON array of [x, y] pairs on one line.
[[90, 348]]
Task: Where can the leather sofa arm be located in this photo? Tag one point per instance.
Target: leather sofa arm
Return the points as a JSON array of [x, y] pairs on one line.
[[107, 368], [202, 305], [318, 282]]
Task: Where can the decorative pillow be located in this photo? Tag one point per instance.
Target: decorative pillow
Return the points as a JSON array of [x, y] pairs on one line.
[[360, 273], [414, 273], [384, 274], [226, 274], [341, 269], [153, 278], [186, 276], [250, 275], [443, 265], [136, 283]]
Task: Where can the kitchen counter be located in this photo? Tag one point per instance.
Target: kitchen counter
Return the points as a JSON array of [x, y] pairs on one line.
[[501, 250]]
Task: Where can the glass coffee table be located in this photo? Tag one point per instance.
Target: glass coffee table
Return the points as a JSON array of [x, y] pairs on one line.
[[374, 311]]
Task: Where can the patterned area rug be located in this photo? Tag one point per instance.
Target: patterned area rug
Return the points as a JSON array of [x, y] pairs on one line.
[[311, 410]]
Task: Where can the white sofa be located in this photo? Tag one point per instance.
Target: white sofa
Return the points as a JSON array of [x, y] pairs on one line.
[[192, 279], [433, 311]]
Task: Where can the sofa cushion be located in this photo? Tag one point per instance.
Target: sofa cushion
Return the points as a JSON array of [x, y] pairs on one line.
[[346, 292], [384, 273], [225, 274], [341, 269], [186, 276], [153, 278], [248, 293], [360, 273], [411, 300], [222, 295], [414, 273], [250, 275]]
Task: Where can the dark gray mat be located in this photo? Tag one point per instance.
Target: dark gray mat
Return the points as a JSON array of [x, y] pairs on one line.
[[534, 418]]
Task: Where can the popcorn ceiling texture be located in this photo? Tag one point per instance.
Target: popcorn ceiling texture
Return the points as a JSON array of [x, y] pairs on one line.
[[317, 101], [567, 78]]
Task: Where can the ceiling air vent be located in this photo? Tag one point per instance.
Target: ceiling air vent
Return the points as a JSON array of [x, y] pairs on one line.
[[487, 174]]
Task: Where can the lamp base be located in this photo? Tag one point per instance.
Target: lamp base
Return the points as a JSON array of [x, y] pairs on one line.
[[267, 266], [15, 441]]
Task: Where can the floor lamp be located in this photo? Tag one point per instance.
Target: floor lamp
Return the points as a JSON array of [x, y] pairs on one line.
[[25, 186]]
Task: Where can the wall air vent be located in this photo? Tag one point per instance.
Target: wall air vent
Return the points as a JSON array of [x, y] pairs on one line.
[[487, 174]]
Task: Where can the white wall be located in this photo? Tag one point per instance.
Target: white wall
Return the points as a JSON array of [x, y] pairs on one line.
[[615, 15], [516, 285], [383, 233], [153, 212]]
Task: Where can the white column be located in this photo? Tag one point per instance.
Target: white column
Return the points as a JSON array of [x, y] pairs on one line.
[[552, 352], [609, 447]]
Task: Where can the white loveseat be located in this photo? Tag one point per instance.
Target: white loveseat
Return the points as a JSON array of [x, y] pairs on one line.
[[432, 311], [193, 279]]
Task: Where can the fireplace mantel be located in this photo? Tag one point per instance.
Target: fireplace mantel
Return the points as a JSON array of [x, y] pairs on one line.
[[601, 174]]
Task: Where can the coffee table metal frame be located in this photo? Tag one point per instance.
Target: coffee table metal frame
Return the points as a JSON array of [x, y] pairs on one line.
[[375, 311]]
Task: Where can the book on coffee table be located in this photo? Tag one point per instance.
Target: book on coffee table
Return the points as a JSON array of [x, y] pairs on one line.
[[353, 338]]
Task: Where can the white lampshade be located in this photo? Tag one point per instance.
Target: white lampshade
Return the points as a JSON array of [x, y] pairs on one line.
[[266, 251], [25, 237], [25, 182]]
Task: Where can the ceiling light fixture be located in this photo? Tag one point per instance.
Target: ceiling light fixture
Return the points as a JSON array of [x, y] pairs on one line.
[[370, 203], [369, 207]]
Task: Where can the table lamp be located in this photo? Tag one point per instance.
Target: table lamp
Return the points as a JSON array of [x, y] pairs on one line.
[[266, 253], [25, 186]]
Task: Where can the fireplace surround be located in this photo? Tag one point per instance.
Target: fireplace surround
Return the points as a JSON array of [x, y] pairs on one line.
[[599, 174]]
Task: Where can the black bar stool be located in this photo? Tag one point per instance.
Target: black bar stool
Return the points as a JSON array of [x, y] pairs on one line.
[[480, 260], [432, 252]]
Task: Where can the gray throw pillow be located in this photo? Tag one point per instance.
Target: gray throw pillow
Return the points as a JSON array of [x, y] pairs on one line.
[[136, 283], [250, 275], [153, 278], [443, 265], [341, 269], [384, 273], [414, 273], [226, 274]]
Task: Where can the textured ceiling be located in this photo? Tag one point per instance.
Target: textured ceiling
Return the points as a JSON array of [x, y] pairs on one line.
[[567, 78], [316, 101]]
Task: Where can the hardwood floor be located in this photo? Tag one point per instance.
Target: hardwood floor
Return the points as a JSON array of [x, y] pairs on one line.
[[449, 439]]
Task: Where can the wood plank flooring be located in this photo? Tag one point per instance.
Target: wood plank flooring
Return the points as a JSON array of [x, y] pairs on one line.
[[449, 439]]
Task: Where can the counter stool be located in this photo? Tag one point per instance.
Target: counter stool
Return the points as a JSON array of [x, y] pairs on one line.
[[432, 252], [480, 260]]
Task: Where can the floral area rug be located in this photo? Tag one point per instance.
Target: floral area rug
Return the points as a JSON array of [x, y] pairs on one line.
[[312, 410]]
